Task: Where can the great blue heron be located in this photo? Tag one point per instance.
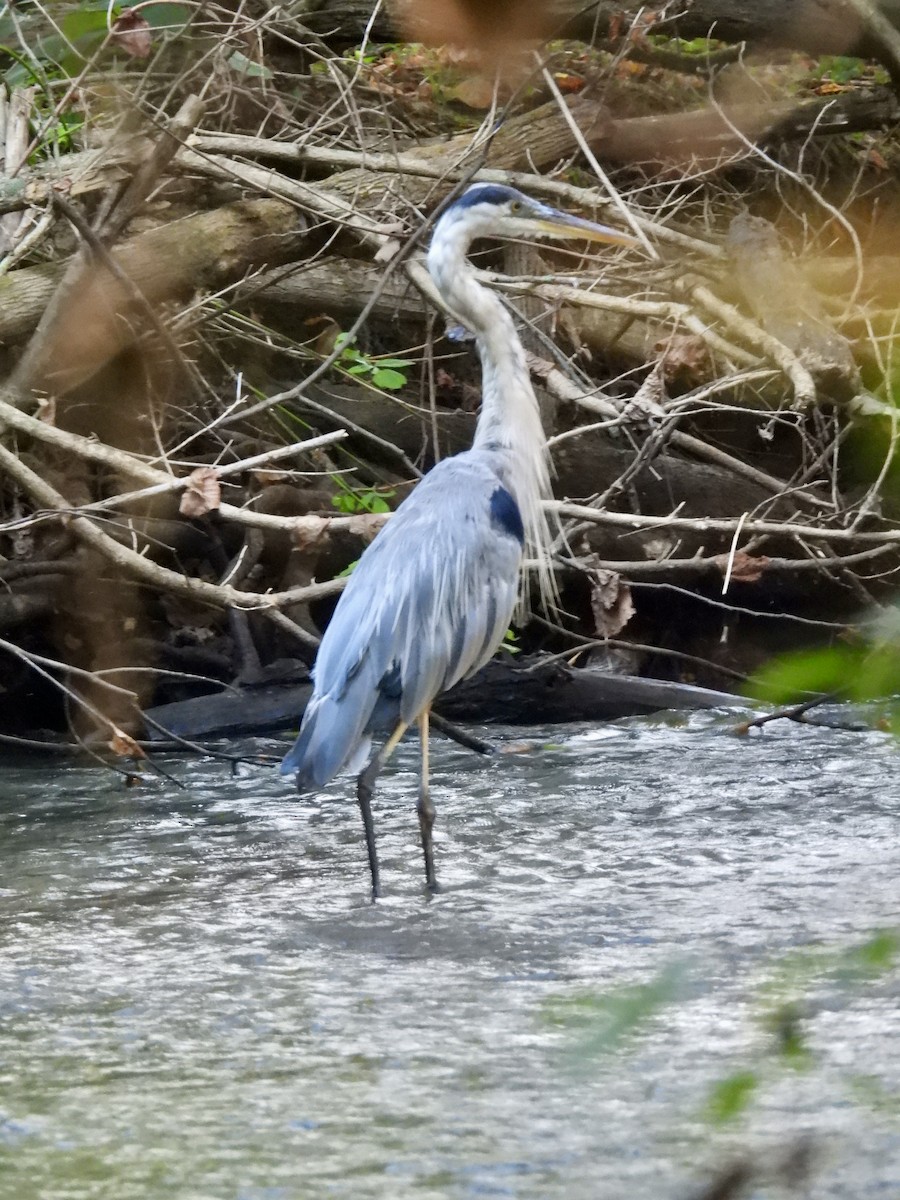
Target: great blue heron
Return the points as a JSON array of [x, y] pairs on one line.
[[431, 598]]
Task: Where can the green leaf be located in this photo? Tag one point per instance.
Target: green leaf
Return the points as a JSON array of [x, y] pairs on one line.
[[383, 377], [358, 369], [731, 1096], [84, 23], [239, 61], [395, 362], [874, 957], [378, 505], [605, 1020], [795, 676], [785, 1022], [171, 18]]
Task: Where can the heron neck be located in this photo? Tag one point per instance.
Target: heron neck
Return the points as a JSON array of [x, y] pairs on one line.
[[509, 424]]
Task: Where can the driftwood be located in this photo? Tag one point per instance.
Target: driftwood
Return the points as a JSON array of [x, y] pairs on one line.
[[531, 692], [165, 264]]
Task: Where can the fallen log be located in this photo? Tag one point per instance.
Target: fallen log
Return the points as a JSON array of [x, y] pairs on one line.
[[208, 250], [529, 692]]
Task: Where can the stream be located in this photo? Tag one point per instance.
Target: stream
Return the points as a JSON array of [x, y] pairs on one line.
[[199, 1000]]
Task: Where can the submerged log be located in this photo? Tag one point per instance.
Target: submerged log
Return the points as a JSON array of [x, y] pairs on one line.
[[529, 692]]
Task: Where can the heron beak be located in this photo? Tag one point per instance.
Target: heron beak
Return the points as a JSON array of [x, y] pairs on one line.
[[562, 225]]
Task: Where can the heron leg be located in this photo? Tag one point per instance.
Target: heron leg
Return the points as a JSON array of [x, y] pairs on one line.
[[365, 790], [425, 808]]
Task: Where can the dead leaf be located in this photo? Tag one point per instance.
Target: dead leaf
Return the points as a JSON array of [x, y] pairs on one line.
[[309, 531], [830, 88], [649, 400], [203, 493], [266, 478], [124, 745], [685, 358], [47, 410], [877, 160], [745, 568], [567, 82], [611, 603], [327, 335], [475, 92], [131, 33]]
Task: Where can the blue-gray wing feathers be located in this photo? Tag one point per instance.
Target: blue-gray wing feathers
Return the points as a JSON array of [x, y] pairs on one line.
[[428, 604]]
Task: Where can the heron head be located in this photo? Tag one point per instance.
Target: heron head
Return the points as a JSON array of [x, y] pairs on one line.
[[492, 210]]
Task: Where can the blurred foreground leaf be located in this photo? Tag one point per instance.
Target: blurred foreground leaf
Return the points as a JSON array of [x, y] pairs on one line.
[[731, 1096], [604, 1020]]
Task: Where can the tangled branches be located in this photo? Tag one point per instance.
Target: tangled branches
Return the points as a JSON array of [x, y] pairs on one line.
[[222, 366]]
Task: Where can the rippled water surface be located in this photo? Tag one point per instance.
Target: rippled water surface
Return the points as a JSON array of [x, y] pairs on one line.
[[198, 1000]]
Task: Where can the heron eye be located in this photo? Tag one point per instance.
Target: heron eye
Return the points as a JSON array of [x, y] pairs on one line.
[[515, 206]]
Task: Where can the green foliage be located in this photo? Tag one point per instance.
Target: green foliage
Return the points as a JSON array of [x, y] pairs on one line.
[[509, 643], [238, 61], [698, 47], [731, 1097], [48, 54], [59, 50], [370, 500], [796, 676], [866, 670], [785, 1023], [840, 68], [604, 1021], [386, 373]]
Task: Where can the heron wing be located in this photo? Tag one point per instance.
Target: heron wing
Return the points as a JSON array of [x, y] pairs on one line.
[[428, 604]]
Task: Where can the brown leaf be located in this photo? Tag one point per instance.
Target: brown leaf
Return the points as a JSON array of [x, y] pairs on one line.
[[47, 410], [611, 603], [567, 82], [685, 358], [124, 745], [475, 92], [309, 531], [745, 568], [131, 33], [267, 478], [203, 494]]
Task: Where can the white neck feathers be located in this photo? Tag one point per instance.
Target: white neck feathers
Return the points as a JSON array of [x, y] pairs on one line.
[[509, 424]]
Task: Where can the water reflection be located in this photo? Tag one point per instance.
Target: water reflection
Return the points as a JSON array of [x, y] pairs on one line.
[[197, 998]]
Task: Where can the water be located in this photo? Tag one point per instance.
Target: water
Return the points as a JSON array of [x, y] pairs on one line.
[[197, 999]]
